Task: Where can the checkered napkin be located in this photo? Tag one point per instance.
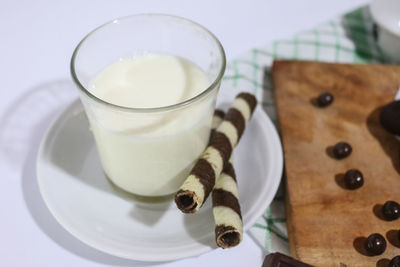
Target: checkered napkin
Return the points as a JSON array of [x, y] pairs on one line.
[[347, 39]]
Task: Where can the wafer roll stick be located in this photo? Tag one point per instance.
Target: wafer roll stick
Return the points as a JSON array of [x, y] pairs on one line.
[[197, 187], [218, 117], [226, 209]]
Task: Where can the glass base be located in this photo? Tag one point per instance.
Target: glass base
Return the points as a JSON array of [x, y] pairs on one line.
[[135, 197]]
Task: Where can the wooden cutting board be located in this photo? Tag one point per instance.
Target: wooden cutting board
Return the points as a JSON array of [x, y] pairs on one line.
[[327, 223]]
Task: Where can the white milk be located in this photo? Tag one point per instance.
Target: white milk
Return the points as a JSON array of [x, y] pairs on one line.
[[150, 153]]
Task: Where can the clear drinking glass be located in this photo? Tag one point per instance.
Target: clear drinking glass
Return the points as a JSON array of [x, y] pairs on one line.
[[149, 151]]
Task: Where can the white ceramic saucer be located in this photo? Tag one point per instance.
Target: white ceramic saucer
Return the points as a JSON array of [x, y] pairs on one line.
[[84, 202]]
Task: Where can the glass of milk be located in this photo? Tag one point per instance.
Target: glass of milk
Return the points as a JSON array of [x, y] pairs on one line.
[[148, 84]]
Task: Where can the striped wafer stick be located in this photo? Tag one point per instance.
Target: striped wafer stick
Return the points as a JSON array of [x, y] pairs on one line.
[[218, 117], [201, 180], [226, 209]]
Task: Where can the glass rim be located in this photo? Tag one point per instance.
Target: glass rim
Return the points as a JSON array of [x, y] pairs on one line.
[[203, 93]]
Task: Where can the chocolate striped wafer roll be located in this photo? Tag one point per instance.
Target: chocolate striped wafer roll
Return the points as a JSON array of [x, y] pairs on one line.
[[197, 187], [218, 117], [226, 209]]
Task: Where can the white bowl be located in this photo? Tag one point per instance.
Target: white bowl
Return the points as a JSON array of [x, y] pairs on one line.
[[386, 14]]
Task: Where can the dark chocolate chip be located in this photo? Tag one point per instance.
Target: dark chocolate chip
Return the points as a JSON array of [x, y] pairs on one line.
[[390, 117], [391, 210], [395, 262], [342, 150], [325, 99], [375, 244], [353, 179]]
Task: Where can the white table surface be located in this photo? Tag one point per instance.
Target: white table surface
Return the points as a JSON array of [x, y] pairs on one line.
[[37, 40]]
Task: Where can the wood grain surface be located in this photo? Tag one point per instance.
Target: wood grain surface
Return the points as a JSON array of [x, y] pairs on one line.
[[327, 223]]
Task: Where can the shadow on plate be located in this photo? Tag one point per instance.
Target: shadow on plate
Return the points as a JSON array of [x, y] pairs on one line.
[[201, 222], [44, 98], [146, 210]]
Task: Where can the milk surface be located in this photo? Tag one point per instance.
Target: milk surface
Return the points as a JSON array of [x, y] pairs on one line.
[[152, 153]]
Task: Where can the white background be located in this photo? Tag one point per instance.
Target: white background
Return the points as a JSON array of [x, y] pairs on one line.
[[37, 40]]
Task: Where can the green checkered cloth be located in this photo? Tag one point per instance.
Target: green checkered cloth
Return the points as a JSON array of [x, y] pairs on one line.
[[347, 39]]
